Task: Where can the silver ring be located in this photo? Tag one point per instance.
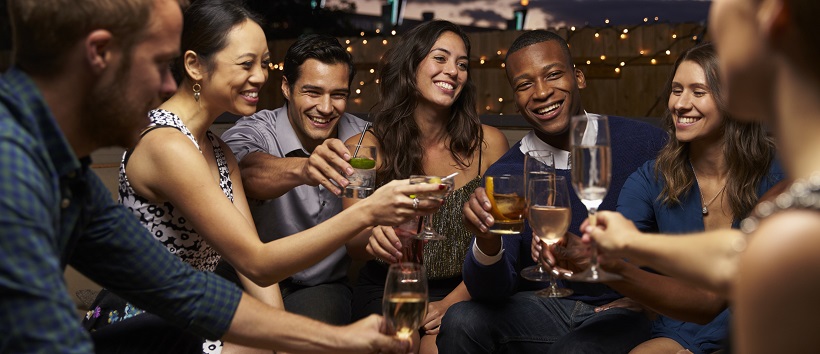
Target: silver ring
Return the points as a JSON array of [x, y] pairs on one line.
[[415, 203]]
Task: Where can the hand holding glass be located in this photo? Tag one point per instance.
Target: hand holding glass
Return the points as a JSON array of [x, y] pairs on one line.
[[405, 298], [428, 233]]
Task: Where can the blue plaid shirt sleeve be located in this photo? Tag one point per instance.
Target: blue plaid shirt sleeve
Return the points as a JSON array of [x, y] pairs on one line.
[[54, 211]]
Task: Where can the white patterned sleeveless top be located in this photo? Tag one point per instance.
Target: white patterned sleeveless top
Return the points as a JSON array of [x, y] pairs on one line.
[[164, 222]]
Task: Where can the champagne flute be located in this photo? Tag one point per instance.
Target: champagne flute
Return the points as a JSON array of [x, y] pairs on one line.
[[405, 298], [427, 232], [549, 216], [591, 172], [537, 164]]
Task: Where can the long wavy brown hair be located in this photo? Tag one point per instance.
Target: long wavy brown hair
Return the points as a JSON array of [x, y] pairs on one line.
[[393, 122], [747, 148]]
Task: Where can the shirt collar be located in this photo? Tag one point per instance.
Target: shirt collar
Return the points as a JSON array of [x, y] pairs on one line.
[[531, 142], [36, 117], [286, 135]]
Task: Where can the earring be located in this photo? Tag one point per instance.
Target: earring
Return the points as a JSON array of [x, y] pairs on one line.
[[197, 88]]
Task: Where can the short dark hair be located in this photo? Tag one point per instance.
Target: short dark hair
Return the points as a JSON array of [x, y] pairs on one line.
[[205, 29], [323, 48], [538, 36]]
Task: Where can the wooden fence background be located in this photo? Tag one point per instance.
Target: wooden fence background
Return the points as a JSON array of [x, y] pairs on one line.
[[646, 52], [633, 91]]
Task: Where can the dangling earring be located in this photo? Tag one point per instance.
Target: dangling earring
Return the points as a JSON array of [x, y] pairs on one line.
[[197, 88]]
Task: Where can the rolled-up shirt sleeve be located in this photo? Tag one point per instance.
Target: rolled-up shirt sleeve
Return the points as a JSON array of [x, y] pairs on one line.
[[119, 253]]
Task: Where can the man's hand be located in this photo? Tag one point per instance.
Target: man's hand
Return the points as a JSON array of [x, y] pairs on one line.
[[478, 220], [367, 336], [564, 257], [324, 164]]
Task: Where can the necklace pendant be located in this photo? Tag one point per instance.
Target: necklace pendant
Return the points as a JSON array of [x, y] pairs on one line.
[[704, 210]]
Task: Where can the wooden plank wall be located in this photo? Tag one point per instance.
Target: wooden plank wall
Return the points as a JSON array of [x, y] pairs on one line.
[[635, 91]]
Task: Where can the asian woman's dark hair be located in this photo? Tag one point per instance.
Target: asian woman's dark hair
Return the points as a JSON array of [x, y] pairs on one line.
[[748, 149], [205, 30], [393, 121]]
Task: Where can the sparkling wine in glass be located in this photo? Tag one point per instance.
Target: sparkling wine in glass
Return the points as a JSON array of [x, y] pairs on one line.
[[428, 232], [591, 172], [549, 216], [405, 298]]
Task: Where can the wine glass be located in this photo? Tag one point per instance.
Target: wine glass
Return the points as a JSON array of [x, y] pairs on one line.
[[537, 164], [549, 216], [412, 248], [591, 172], [405, 298], [427, 232]]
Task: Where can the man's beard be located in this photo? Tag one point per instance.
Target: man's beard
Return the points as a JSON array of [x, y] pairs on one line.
[[111, 115]]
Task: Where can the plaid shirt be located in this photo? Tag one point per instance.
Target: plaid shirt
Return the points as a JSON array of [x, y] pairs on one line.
[[55, 211]]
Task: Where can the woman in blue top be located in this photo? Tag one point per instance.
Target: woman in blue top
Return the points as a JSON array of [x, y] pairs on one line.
[[708, 176]]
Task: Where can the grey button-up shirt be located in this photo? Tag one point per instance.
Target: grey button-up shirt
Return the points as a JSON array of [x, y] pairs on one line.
[[303, 207]]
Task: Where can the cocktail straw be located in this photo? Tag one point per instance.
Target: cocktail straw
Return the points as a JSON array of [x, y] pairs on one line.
[[364, 131], [450, 176]]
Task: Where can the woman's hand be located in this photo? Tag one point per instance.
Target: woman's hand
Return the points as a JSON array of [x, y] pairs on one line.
[[384, 244], [435, 311], [391, 204], [612, 233]]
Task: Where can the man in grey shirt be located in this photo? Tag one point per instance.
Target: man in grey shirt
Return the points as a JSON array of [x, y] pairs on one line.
[[290, 159]]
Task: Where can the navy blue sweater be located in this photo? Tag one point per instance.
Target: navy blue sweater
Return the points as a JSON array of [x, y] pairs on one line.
[[633, 143]]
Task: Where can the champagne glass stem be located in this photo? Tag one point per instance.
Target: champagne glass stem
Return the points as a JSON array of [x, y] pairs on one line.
[[593, 260]]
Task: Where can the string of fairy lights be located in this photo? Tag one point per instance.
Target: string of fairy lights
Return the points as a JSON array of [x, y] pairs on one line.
[[608, 41]]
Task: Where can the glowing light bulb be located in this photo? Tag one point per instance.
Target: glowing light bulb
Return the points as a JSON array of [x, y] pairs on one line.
[[617, 70], [372, 71], [597, 35], [500, 99], [668, 52], [653, 61], [603, 57], [361, 33], [364, 41], [589, 62]]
